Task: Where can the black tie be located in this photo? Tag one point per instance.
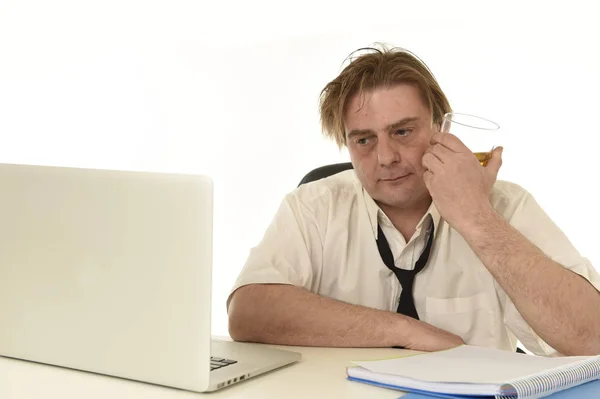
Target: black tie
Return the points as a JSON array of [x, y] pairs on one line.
[[406, 306]]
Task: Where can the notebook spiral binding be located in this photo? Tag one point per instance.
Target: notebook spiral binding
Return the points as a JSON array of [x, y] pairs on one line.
[[544, 384]]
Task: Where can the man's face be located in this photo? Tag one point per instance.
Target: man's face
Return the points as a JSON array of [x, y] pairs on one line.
[[387, 133]]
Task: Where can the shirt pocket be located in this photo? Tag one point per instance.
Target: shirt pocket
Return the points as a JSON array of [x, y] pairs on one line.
[[473, 318]]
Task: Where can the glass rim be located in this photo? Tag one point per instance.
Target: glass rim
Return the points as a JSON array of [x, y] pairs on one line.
[[451, 114]]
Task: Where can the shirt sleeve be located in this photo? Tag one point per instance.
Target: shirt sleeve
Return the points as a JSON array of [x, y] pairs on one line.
[[290, 251], [530, 219]]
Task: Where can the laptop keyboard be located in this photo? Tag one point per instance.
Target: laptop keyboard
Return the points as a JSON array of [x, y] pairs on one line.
[[217, 362]]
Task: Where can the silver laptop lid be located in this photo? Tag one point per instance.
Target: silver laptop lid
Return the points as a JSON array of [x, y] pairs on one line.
[[107, 271]]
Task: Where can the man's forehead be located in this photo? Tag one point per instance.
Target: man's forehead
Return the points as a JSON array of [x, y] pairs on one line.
[[385, 106], [406, 95]]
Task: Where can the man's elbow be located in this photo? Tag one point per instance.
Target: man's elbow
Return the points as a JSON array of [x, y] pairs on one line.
[[236, 330], [593, 345], [238, 325], [252, 312], [587, 343]]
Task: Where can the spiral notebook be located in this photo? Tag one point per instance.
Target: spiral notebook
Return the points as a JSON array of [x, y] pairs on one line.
[[474, 372]]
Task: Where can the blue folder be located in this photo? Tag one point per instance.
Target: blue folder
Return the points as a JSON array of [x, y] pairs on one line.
[[588, 390]]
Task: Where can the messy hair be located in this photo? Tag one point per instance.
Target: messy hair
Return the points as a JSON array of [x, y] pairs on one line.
[[377, 67]]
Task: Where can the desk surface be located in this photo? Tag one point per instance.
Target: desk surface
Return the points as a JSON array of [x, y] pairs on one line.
[[320, 374]]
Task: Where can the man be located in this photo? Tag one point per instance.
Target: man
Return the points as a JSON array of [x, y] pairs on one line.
[[472, 259]]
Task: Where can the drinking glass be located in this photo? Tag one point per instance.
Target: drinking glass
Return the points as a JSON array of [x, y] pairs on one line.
[[480, 135]]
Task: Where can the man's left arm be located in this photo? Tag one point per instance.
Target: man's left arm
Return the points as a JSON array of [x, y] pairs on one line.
[[561, 306]]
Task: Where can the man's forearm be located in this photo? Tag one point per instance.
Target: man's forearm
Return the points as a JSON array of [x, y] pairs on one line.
[[288, 315], [557, 303]]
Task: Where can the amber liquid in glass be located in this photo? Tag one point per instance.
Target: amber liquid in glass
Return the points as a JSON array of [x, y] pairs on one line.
[[483, 157]]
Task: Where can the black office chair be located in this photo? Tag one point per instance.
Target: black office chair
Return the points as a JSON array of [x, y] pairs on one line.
[[325, 171]]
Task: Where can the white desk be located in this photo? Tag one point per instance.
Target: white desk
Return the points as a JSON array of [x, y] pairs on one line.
[[320, 374]]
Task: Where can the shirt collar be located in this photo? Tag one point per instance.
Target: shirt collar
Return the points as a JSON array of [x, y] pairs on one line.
[[376, 215]]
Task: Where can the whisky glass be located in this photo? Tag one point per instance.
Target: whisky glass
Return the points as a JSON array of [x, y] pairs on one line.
[[480, 135]]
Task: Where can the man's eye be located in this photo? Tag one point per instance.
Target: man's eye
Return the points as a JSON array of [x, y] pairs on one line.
[[362, 141], [403, 132]]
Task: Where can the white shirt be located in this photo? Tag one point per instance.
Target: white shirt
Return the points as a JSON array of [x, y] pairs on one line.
[[323, 238]]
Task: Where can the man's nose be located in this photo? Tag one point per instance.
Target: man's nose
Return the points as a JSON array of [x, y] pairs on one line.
[[387, 154]]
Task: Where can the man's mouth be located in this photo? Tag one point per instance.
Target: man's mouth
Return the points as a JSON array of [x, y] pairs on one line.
[[395, 178]]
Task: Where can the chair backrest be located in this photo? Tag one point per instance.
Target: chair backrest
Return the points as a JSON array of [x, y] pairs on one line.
[[325, 171]]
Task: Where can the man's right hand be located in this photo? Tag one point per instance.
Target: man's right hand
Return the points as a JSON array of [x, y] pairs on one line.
[[429, 338]]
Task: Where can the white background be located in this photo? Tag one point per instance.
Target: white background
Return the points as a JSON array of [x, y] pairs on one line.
[[230, 89]]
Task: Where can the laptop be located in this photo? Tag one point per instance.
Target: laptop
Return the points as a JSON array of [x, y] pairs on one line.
[[110, 272]]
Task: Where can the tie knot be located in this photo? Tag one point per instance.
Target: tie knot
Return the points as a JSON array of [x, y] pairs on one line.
[[406, 277]]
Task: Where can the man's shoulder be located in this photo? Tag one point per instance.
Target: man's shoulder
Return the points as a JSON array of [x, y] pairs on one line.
[[507, 195], [339, 188], [508, 189]]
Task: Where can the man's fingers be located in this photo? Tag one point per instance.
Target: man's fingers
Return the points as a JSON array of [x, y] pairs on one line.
[[440, 151], [427, 176], [431, 162], [495, 162], [449, 141]]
